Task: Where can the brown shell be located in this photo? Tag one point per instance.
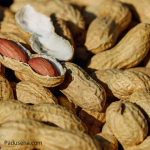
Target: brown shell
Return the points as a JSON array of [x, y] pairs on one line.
[[127, 82], [93, 120], [8, 25], [145, 145], [106, 129], [127, 123], [81, 89], [142, 99], [63, 101], [102, 34], [141, 69], [29, 92], [129, 52], [103, 77], [6, 91], [27, 70], [139, 8], [46, 137], [47, 112], [106, 141]]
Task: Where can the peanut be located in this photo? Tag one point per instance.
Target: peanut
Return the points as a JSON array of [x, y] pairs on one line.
[[10, 49], [42, 66]]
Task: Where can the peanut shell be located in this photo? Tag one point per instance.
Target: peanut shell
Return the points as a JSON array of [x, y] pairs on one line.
[[103, 77], [29, 92], [127, 123], [63, 101], [6, 91], [139, 8], [106, 141], [93, 120], [129, 52], [81, 89], [127, 82], [47, 112], [46, 137], [143, 146], [63, 11], [113, 18], [142, 99]]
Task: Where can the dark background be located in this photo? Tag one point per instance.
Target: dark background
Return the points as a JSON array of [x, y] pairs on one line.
[[5, 3]]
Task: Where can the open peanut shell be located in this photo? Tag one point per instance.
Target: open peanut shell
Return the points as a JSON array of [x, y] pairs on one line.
[[41, 35], [24, 68]]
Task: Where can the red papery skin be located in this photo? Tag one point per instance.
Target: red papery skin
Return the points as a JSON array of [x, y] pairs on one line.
[[42, 66], [11, 50]]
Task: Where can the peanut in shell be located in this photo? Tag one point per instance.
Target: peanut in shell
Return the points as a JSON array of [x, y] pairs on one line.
[[81, 89], [125, 83], [29, 92], [129, 52], [47, 112]]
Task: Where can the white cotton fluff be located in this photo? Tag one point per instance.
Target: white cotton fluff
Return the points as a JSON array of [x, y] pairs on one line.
[[35, 22]]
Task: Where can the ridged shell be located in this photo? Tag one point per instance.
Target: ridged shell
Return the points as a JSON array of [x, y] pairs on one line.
[[129, 52], [127, 82], [102, 77], [6, 91], [81, 89], [113, 18], [29, 92], [127, 123], [46, 137], [142, 99], [47, 112]]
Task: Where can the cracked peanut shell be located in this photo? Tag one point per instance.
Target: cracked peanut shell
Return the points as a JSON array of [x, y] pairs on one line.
[[24, 68]]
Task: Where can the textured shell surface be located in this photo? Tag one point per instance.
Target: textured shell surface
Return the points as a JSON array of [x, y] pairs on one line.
[[6, 91], [29, 92], [47, 112], [81, 89], [33, 130], [102, 77], [113, 18], [127, 82], [142, 98], [129, 52], [126, 121]]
